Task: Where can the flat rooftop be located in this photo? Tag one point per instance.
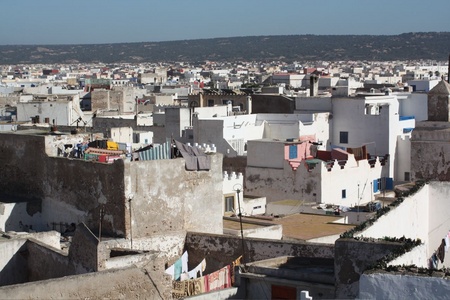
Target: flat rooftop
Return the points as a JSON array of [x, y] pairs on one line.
[[235, 224], [309, 226]]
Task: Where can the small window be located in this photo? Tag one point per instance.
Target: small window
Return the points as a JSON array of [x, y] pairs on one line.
[[292, 151], [210, 102], [343, 137], [344, 194], [407, 176], [229, 203]]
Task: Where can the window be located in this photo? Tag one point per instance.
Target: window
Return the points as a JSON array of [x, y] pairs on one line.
[[344, 194], [407, 176], [210, 102], [292, 151], [343, 137], [229, 203]]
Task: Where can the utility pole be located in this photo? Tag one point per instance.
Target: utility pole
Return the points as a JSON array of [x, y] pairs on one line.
[[237, 188]]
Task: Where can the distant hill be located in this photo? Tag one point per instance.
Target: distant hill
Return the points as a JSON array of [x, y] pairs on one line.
[[407, 46]]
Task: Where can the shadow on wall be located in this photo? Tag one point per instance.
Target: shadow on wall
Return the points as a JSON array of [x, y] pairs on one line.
[[22, 216], [13, 262]]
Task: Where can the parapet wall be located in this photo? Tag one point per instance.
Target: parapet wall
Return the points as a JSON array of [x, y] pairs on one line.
[[220, 250], [127, 283], [352, 258]]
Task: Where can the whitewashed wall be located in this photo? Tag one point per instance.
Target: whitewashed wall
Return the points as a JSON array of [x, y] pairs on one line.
[[391, 286], [403, 159], [422, 216], [264, 177], [381, 130]]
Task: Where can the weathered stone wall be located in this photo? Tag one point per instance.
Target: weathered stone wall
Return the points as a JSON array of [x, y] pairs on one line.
[[166, 197], [23, 165], [220, 250], [129, 283], [169, 246], [83, 251], [68, 190], [45, 262], [352, 258], [15, 254], [430, 149], [280, 184], [76, 191], [235, 164]]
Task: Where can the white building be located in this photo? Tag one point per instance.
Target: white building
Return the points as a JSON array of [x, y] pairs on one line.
[[373, 121], [231, 134], [234, 198], [298, 170], [56, 110]]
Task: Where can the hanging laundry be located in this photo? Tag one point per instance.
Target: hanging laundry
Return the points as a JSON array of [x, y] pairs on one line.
[[179, 267], [198, 270], [219, 279], [235, 263], [197, 286], [180, 289], [184, 276], [434, 261], [171, 271], [195, 158]]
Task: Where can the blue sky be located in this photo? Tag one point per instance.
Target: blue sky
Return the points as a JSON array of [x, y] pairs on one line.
[[115, 21]]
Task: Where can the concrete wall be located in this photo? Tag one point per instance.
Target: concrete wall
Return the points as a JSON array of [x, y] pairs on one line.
[[176, 120], [122, 134], [352, 258], [221, 250], [15, 255], [21, 216], [125, 283], [103, 125], [265, 154], [46, 262], [313, 185], [60, 111], [168, 246], [272, 104], [73, 191], [313, 104], [169, 198], [13, 262], [377, 285], [403, 159], [429, 151]]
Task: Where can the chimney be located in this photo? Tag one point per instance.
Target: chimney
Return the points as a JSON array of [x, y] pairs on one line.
[[313, 85]]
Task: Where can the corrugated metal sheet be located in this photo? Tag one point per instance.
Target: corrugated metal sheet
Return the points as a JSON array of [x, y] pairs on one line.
[[156, 153]]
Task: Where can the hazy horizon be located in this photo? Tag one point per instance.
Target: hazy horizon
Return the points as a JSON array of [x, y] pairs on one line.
[[55, 22]]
